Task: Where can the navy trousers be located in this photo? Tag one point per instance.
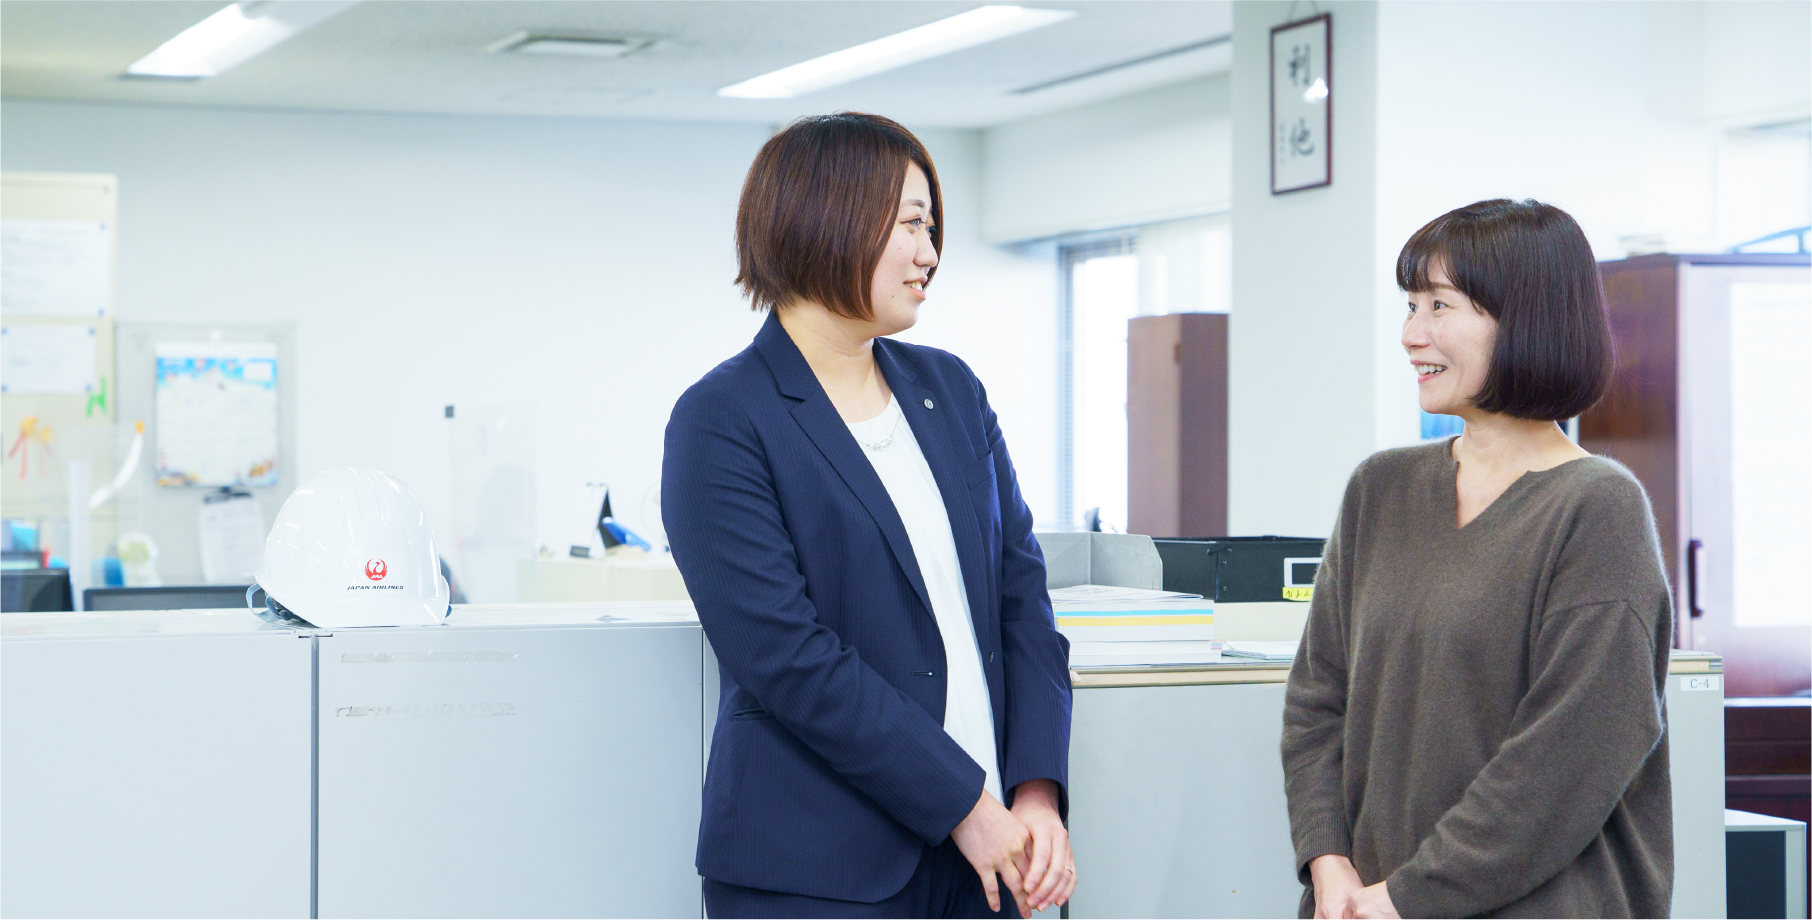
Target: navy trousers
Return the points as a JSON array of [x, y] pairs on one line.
[[944, 885]]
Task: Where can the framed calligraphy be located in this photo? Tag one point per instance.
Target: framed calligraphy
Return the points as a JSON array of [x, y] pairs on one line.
[[1302, 119]]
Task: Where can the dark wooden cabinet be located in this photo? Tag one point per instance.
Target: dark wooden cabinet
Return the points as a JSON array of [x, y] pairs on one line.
[[1682, 415], [1176, 425]]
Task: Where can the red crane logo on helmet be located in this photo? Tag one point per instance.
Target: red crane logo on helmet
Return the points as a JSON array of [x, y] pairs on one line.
[[376, 570]]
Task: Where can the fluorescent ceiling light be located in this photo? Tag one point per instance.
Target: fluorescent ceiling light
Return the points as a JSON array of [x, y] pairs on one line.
[[233, 36], [984, 24]]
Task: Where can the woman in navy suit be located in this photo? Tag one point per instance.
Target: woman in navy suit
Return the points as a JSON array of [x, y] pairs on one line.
[[893, 734]]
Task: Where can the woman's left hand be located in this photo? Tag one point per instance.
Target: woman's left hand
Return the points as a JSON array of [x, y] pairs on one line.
[[1373, 901], [1051, 877]]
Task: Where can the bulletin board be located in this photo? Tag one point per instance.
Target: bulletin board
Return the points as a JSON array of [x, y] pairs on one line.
[[57, 373], [170, 513]]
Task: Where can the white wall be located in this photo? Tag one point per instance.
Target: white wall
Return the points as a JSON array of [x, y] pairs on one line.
[[1152, 156], [1437, 105], [582, 265], [996, 308], [1754, 65]]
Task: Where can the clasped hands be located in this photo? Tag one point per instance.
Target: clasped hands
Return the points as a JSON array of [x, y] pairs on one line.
[[1026, 847], [1339, 892]]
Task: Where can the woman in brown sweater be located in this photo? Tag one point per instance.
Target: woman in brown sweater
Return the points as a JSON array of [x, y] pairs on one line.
[[1475, 722]]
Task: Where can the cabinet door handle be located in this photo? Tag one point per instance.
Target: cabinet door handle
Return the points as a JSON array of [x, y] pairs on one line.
[[1693, 548]]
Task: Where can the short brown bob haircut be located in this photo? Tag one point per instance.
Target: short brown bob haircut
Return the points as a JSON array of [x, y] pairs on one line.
[[818, 209], [1528, 265]]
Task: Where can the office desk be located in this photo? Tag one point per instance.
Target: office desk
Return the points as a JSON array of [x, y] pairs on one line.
[[1177, 804]]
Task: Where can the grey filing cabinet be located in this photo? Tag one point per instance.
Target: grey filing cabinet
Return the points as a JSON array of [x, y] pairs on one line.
[[1695, 735], [545, 760], [1176, 794], [155, 765], [521, 761], [1176, 791], [527, 760]]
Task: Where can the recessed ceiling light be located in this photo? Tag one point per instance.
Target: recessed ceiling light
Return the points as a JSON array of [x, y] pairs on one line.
[[966, 30], [234, 35], [597, 46]]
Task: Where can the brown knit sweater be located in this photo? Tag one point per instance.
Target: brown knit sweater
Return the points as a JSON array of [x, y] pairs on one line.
[[1477, 715]]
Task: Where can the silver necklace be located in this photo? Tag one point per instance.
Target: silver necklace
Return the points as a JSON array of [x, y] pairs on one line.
[[882, 444]]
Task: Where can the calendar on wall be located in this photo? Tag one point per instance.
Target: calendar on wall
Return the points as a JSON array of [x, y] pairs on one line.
[[217, 414]]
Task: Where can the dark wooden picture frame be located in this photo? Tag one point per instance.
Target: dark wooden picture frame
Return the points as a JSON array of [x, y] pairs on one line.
[[1277, 138]]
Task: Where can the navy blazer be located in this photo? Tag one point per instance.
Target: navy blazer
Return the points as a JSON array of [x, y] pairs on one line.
[[830, 771]]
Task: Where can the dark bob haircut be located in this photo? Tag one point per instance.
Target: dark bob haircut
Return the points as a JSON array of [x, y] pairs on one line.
[[1529, 266], [818, 209]]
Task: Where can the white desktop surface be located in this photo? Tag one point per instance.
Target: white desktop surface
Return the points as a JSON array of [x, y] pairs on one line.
[[79, 625]]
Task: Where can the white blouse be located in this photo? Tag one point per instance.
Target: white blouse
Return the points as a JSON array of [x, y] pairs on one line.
[[968, 715]]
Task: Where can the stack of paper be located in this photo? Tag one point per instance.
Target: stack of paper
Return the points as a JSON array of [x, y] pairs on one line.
[[1117, 627], [1264, 651]]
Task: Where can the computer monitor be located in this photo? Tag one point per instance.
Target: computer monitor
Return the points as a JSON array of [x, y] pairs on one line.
[[35, 590]]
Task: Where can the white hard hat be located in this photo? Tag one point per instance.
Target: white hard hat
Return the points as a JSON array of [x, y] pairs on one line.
[[352, 547]]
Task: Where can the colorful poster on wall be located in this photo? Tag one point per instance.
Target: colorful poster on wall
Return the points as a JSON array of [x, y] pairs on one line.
[[217, 414]]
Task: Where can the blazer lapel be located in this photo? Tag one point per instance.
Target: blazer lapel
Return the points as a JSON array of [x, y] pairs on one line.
[[946, 451], [819, 419]]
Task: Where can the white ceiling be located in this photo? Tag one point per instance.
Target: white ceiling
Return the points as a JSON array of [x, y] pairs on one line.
[[429, 56]]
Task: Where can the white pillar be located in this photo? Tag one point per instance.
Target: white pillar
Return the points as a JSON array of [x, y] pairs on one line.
[[1300, 366]]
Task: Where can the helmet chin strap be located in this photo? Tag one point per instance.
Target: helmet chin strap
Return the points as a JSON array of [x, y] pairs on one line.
[[273, 612]]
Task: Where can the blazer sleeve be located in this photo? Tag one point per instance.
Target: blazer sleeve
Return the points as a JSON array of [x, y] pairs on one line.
[[1036, 655], [729, 537]]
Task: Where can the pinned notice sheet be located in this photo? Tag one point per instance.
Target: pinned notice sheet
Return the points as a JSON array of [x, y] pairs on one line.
[[232, 537], [47, 359], [55, 267]]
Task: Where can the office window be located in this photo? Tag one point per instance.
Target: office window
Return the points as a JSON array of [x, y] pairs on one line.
[[1099, 286], [1175, 267], [1771, 436], [1186, 266]]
